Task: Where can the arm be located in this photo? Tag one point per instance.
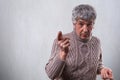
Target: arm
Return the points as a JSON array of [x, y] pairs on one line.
[[106, 73], [55, 64], [100, 65]]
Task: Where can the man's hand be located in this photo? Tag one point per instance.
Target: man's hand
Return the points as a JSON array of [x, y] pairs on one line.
[[64, 44], [106, 74]]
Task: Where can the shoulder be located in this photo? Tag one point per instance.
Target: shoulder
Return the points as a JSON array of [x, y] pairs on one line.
[[95, 39]]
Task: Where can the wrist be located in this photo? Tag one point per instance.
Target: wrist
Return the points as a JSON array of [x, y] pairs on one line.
[[63, 55]]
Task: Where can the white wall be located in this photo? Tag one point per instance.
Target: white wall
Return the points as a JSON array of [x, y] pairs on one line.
[[28, 28]]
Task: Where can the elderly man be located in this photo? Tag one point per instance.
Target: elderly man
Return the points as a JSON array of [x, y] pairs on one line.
[[77, 55]]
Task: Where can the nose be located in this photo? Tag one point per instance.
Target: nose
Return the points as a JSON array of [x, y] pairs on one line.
[[85, 28]]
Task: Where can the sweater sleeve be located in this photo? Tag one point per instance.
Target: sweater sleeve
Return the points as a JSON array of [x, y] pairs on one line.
[[100, 64], [55, 65]]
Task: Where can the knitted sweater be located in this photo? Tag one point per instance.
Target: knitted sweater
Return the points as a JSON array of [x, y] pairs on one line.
[[83, 62]]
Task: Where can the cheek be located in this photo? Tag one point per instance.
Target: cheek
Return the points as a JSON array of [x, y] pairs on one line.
[[78, 31], [90, 30]]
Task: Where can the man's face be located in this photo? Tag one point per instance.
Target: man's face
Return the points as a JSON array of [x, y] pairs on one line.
[[83, 28]]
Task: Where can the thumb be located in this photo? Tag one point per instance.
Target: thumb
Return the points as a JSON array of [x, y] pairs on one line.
[[59, 36]]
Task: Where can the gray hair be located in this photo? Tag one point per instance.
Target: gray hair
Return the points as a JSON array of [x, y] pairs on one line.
[[83, 11]]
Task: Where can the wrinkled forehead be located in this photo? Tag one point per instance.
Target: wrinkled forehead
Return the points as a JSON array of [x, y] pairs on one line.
[[91, 21]]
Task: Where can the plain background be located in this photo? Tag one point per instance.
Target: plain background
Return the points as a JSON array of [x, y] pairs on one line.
[[28, 28]]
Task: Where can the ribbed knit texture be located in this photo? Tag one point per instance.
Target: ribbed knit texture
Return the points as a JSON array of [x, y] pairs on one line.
[[83, 61]]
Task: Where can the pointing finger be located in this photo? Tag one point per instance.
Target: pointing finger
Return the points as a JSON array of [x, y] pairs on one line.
[[59, 37]]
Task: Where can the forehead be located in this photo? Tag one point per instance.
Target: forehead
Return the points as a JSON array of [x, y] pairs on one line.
[[85, 21]]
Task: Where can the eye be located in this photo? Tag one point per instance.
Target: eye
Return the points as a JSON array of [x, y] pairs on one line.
[[81, 24], [89, 25]]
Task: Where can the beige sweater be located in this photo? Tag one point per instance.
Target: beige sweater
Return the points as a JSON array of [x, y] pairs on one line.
[[83, 62]]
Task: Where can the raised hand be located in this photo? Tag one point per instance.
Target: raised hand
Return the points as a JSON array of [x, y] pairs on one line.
[[64, 44]]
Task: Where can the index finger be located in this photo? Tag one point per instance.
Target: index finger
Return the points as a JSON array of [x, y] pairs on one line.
[[59, 36]]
